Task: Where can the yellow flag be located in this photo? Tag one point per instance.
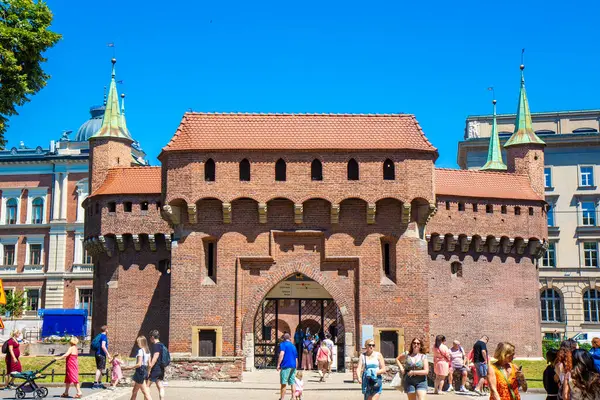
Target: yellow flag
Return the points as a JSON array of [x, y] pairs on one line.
[[2, 297]]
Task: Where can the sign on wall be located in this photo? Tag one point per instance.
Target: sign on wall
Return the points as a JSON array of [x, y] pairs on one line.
[[298, 289]]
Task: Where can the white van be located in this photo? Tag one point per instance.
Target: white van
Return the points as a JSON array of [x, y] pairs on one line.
[[586, 337]]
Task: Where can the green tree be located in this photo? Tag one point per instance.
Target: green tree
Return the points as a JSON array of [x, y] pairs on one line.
[[15, 304], [24, 37]]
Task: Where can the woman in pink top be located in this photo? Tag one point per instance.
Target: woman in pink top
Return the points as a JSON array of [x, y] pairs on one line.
[[441, 362], [72, 369]]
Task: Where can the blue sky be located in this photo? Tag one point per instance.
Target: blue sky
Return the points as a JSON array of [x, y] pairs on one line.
[[433, 59]]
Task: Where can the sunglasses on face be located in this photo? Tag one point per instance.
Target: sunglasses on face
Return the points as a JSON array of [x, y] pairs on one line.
[[371, 345], [416, 343]]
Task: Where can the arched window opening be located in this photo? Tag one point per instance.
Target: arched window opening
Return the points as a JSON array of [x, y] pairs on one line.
[[280, 170], [316, 170], [353, 173], [209, 170], [244, 170], [37, 210], [210, 251], [11, 211], [388, 259], [389, 171], [456, 269], [551, 306], [591, 305]]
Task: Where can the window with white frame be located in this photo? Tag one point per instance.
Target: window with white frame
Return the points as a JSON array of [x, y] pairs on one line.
[[35, 250], [551, 306], [549, 259], [550, 214], [84, 300], [12, 206], [590, 254], [8, 250], [586, 175], [548, 177], [32, 299], [36, 205], [591, 305], [37, 211], [9, 254], [10, 209], [588, 213]]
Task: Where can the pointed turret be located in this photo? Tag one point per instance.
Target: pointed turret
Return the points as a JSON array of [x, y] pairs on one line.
[[523, 133], [112, 122], [494, 158], [123, 121]]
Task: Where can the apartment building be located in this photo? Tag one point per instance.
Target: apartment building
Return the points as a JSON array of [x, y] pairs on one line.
[[570, 270]]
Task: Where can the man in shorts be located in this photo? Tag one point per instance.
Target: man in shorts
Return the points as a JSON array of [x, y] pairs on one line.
[[329, 343], [156, 373], [287, 364], [480, 358], [101, 356]]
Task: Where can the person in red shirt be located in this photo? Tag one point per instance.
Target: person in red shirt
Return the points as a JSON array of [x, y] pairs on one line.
[[12, 357]]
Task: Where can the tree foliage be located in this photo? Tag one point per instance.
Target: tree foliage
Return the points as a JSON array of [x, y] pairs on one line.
[[24, 37], [15, 303]]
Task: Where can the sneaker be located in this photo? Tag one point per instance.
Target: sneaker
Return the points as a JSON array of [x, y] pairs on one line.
[[450, 389], [478, 392], [463, 389], [95, 386]]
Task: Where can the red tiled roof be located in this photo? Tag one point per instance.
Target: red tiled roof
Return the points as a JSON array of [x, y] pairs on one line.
[[204, 131], [496, 185], [131, 180]]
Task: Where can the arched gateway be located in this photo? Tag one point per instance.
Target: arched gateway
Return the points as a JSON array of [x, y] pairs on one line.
[[300, 306]]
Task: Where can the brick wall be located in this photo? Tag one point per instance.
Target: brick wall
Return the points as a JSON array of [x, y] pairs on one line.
[[105, 154], [528, 160]]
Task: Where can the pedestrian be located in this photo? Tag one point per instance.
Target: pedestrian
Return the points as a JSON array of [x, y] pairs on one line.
[[298, 386], [504, 377], [141, 369], [595, 353], [458, 363], [371, 366], [287, 362], [307, 353], [71, 369], [117, 372], [12, 357], [416, 369], [564, 365], [156, 369], [441, 363], [329, 343], [480, 359], [585, 381], [101, 355], [549, 378], [323, 360]]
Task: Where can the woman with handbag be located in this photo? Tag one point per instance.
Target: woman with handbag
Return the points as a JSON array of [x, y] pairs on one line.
[[370, 368], [415, 363]]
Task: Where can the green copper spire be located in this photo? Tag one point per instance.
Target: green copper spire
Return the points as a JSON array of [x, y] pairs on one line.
[[123, 121], [494, 158], [112, 122], [523, 133]]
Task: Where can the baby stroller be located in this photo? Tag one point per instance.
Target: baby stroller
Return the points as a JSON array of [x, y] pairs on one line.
[[29, 386]]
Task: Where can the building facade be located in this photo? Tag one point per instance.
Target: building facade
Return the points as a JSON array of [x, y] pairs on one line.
[[570, 270], [260, 224], [42, 221]]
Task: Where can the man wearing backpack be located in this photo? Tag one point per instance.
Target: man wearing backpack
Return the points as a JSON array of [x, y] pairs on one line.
[[158, 362], [100, 347]]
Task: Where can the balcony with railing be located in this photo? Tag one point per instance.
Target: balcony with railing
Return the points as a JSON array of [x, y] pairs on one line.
[[33, 269], [83, 268]]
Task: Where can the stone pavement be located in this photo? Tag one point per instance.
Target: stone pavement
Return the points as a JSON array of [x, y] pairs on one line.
[[265, 384], [53, 392]]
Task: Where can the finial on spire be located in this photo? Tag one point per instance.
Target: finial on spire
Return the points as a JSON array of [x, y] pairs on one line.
[[122, 103], [113, 61]]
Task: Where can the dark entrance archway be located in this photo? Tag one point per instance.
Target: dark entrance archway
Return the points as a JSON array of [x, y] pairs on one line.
[[300, 306]]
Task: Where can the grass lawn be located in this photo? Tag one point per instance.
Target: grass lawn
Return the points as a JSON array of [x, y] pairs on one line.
[[534, 371], [87, 365]]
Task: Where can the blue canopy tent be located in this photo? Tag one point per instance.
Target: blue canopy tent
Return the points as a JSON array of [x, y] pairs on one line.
[[63, 322]]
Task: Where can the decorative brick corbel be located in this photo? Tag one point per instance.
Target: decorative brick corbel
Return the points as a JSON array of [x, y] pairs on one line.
[[298, 213], [335, 213], [262, 213], [538, 249], [172, 213], [436, 242], [152, 241], [520, 246], [105, 247], [450, 243], [371, 212], [192, 214], [226, 213], [479, 244], [506, 244], [136, 242], [406, 213], [465, 243], [431, 212], [168, 241], [120, 242], [493, 245]]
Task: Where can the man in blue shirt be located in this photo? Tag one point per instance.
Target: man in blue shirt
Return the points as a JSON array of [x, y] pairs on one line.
[[287, 364], [101, 356]]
